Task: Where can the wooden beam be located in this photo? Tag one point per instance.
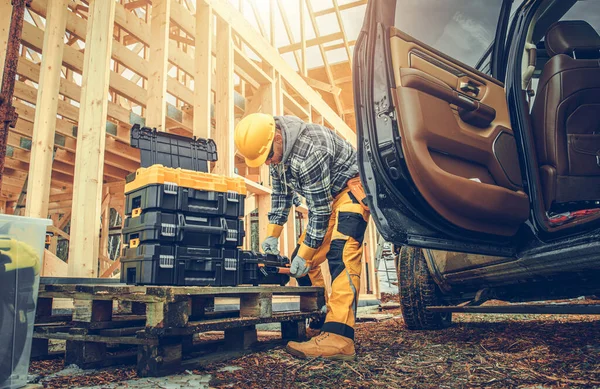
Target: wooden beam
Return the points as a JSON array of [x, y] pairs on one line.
[[261, 46], [110, 270], [105, 211], [259, 22], [288, 30], [335, 90], [302, 39], [341, 7], [157, 81], [53, 266], [294, 107], [136, 4], [272, 22], [250, 67], [224, 99], [44, 126], [339, 45], [343, 30], [83, 250], [311, 42], [336, 99], [5, 16], [343, 80]]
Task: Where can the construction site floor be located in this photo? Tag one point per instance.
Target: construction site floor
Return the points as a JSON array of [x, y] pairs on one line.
[[478, 351]]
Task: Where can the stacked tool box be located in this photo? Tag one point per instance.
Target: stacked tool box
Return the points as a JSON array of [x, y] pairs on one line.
[[184, 226]]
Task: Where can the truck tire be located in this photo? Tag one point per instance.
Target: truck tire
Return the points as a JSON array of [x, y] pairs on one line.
[[417, 291]]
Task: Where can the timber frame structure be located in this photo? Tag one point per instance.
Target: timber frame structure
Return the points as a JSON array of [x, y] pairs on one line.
[[189, 67]]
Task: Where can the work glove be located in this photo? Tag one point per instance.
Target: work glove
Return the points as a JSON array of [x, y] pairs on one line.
[[271, 245], [299, 268]]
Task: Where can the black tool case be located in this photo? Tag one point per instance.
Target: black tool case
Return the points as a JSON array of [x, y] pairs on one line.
[[172, 150], [186, 200], [257, 268], [187, 230], [161, 264]]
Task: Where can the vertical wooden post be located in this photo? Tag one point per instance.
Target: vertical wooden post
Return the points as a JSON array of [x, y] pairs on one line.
[[203, 70], [272, 22], [224, 100], [302, 39], [291, 233], [44, 125], [5, 16], [263, 203], [105, 210], [89, 159], [157, 80]]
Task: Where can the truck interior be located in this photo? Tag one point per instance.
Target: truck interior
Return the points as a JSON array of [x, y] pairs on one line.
[[561, 81], [463, 155]]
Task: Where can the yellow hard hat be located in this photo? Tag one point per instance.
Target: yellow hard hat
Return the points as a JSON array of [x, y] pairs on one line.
[[254, 136]]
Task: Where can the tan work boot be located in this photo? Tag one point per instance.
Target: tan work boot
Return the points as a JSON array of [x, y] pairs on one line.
[[326, 345]]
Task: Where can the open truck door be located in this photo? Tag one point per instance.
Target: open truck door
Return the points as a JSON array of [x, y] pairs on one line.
[[437, 154]]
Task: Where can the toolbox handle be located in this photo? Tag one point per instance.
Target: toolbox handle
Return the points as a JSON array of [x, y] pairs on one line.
[[200, 208], [203, 229]]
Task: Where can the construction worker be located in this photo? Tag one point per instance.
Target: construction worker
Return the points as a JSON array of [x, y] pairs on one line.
[[316, 163]]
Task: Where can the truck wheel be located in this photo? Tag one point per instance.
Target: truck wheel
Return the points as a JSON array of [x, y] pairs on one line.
[[418, 290]]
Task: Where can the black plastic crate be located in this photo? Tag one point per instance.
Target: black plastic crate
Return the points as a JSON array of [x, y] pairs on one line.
[[172, 150], [155, 264], [187, 230], [186, 200], [257, 268]]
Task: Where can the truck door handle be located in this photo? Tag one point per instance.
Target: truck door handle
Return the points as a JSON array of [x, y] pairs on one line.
[[468, 87]]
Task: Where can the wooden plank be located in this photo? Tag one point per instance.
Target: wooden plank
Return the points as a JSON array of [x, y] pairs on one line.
[[269, 54], [157, 80], [303, 69], [250, 67], [96, 338], [311, 42], [224, 100], [59, 232], [225, 291], [222, 325], [203, 71], [105, 211], [5, 17], [42, 145], [54, 266], [256, 305], [342, 7], [288, 31], [336, 99], [132, 24], [91, 138], [295, 107], [108, 272], [339, 46], [343, 30], [336, 90], [263, 205], [272, 22]]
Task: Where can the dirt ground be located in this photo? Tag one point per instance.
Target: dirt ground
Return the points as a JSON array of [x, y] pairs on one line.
[[478, 351]]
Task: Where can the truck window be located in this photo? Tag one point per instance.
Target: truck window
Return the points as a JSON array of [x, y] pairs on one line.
[[462, 29]]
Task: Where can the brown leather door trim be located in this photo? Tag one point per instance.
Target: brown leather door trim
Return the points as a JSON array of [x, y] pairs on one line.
[[441, 56], [434, 117], [474, 112]]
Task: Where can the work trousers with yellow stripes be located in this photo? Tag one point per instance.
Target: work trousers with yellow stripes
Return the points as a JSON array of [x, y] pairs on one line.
[[342, 247]]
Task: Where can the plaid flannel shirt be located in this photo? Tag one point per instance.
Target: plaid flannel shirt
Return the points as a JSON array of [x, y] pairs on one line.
[[318, 169]]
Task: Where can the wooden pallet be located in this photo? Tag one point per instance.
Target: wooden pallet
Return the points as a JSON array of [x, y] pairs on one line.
[[158, 326]]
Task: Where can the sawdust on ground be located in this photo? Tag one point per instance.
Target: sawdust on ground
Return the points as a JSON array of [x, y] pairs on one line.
[[478, 351]]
